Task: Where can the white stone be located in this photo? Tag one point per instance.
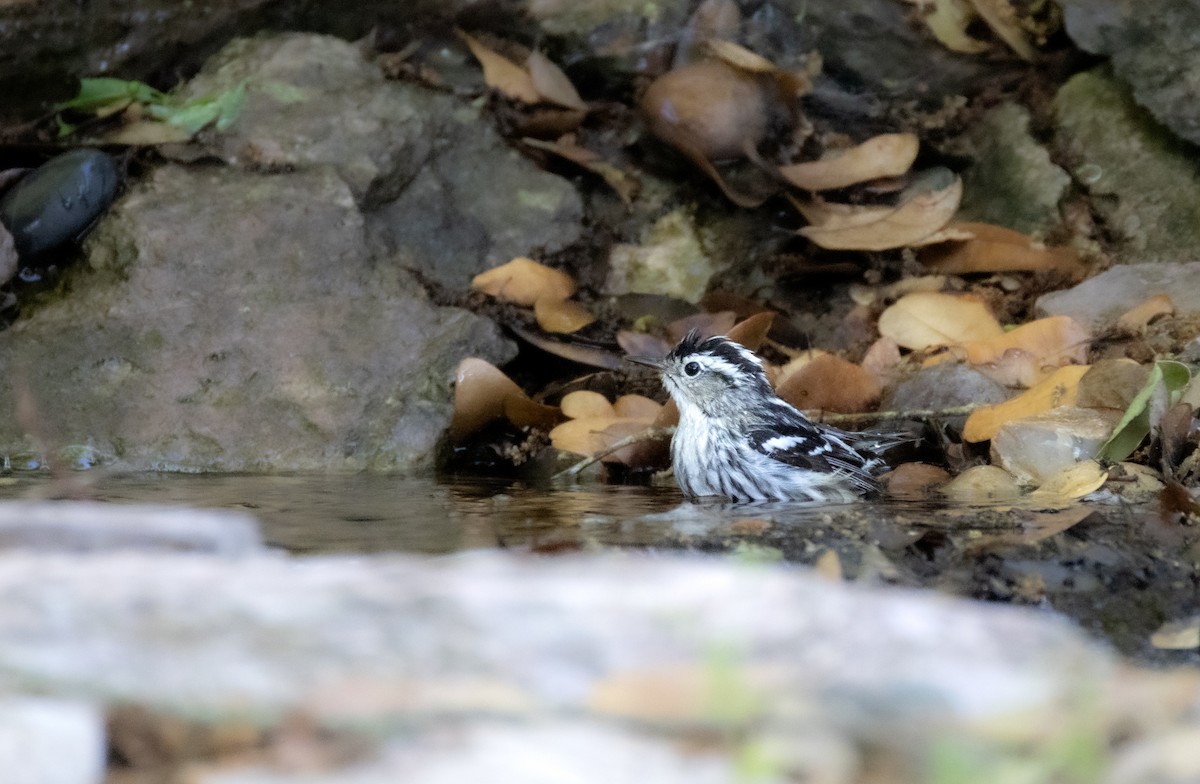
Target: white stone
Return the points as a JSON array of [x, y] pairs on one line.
[[51, 741]]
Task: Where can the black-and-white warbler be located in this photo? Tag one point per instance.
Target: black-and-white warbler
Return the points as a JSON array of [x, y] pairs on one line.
[[736, 438]]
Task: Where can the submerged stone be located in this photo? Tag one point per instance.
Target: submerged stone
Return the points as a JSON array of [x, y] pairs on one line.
[[59, 200], [1037, 448]]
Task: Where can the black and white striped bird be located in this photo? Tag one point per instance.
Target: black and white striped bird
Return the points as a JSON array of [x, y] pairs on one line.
[[736, 438]]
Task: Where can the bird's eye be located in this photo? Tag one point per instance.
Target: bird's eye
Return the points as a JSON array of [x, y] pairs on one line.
[[692, 368]]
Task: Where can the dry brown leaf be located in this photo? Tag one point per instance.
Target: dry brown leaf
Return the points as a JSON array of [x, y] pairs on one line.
[[982, 485], [886, 155], [502, 74], [709, 108], [882, 359], [523, 282], [1026, 355], [523, 412], [623, 183], [576, 351], [708, 324], [1060, 389], [1070, 484], [585, 404], [915, 481], [739, 56], [637, 407], [925, 319], [551, 83], [640, 344], [830, 383], [997, 249], [948, 21], [1111, 383], [1002, 18], [480, 391], [833, 215], [752, 331], [904, 225], [561, 315], [1135, 320]]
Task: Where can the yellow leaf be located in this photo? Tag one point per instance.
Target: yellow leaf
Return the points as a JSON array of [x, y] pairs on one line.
[[900, 226], [1070, 484], [502, 74], [739, 56], [887, 155], [637, 407], [925, 319], [1060, 389], [982, 485], [523, 281], [1134, 320]]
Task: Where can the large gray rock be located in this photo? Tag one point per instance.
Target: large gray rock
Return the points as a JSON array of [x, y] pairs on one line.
[[1154, 45], [442, 190], [1142, 179], [1012, 182], [364, 639], [234, 321], [1098, 302]]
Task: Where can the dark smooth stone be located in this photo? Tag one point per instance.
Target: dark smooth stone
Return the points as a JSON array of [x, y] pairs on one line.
[[58, 201]]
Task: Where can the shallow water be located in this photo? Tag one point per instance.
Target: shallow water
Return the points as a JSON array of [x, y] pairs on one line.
[[1118, 571]]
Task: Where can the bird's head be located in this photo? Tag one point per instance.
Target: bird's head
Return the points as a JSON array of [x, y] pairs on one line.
[[716, 375]]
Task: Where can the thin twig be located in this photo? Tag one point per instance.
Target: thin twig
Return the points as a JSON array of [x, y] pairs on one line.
[[645, 435], [660, 432]]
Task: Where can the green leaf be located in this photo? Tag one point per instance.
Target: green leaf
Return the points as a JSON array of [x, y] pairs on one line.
[[231, 103], [98, 95], [64, 128], [193, 115], [1167, 378]]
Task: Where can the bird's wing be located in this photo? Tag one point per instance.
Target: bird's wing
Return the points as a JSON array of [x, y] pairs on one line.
[[804, 445]]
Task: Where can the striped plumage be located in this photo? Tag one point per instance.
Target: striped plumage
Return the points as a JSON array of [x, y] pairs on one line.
[[736, 438]]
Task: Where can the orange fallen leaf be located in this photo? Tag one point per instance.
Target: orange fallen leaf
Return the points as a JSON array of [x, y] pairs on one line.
[[586, 404], [561, 315], [1060, 389], [914, 481], [479, 392], [523, 412], [830, 383], [502, 74], [752, 331], [1027, 354], [1135, 320], [904, 225], [882, 358], [523, 281], [886, 155], [925, 319], [636, 407], [551, 83], [997, 249], [739, 56]]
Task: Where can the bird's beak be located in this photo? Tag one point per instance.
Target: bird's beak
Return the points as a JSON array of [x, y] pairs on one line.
[[649, 362]]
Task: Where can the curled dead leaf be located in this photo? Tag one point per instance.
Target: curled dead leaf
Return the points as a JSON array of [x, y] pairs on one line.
[[886, 155], [708, 324], [925, 319], [637, 407], [989, 249], [710, 107], [561, 315], [551, 83], [1070, 484], [502, 74], [830, 383], [640, 344], [523, 282], [625, 184], [586, 404], [480, 393], [904, 225], [752, 331]]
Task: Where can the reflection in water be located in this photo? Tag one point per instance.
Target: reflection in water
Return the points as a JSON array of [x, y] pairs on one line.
[[1102, 566]]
